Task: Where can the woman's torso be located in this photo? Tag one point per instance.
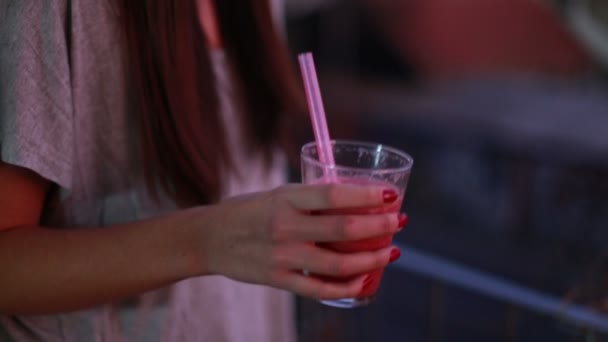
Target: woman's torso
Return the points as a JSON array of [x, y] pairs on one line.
[[72, 55]]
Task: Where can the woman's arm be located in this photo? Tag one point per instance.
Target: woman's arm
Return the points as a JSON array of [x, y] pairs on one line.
[[259, 238], [49, 270]]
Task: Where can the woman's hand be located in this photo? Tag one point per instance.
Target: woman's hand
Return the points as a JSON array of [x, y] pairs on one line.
[[267, 238]]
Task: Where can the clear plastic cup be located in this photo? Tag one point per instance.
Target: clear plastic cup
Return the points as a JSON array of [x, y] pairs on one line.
[[359, 163]]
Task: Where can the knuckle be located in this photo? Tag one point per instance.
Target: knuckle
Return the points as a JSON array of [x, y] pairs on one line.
[[288, 187], [275, 277], [380, 260], [346, 227], [340, 267], [321, 291], [278, 196], [371, 195], [353, 291], [333, 195], [388, 224], [279, 228], [279, 259], [283, 197]]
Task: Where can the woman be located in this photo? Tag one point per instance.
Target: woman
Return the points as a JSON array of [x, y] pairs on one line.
[[126, 135]]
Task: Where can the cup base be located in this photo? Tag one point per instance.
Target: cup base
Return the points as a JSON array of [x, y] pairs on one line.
[[348, 303]]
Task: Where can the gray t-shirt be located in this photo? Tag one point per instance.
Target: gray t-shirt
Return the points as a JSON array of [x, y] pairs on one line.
[[64, 114]]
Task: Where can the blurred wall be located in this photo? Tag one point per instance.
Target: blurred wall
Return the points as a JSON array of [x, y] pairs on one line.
[[463, 37]]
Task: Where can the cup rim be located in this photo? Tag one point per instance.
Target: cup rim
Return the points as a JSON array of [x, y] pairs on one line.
[[407, 167]]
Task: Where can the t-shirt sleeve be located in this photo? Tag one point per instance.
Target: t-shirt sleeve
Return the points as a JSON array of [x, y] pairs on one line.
[[36, 112]]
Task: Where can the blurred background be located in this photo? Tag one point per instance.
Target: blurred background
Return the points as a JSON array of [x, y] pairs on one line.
[[504, 106]]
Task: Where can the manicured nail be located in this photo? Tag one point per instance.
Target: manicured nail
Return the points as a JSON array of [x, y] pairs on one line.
[[403, 220], [369, 287], [367, 281], [389, 196], [395, 254]]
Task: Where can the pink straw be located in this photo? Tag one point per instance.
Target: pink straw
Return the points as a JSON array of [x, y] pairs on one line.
[[317, 111]]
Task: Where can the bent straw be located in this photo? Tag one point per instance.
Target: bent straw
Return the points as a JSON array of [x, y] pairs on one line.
[[317, 111]]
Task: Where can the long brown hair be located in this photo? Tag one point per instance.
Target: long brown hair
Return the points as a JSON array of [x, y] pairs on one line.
[[184, 146]]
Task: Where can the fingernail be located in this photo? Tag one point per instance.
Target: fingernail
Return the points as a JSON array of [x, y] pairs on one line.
[[403, 220], [390, 196], [368, 285], [395, 254], [367, 281]]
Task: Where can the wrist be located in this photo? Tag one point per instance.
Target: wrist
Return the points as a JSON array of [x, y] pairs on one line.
[[188, 234]]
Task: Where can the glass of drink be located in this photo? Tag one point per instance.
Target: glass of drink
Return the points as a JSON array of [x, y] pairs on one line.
[[359, 163]]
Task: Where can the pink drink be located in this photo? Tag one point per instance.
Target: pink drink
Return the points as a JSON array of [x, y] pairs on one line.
[[373, 244]]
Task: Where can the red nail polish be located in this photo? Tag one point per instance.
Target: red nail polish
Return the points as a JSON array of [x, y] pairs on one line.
[[389, 196], [367, 281], [367, 287], [403, 220], [395, 254]]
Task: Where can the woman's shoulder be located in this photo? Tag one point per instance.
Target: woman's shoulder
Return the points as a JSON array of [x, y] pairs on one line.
[[58, 64], [49, 15], [24, 11]]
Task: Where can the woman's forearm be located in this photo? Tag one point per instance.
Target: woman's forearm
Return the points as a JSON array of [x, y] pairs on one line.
[[56, 270], [260, 238]]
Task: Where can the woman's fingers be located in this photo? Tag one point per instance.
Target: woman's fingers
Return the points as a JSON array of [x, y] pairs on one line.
[[320, 289], [328, 228], [322, 261], [334, 276], [337, 196]]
